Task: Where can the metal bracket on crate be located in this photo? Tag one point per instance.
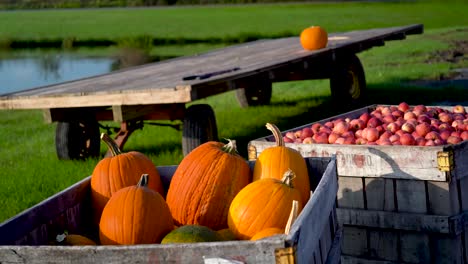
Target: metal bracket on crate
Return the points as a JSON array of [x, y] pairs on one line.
[[445, 160], [285, 255]]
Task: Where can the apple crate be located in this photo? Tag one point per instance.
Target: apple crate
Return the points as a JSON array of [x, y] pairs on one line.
[[397, 204], [315, 236]]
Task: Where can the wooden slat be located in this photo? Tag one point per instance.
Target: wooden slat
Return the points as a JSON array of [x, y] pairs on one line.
[[396, 221], [261, 251], [155, 83], [308, 225]]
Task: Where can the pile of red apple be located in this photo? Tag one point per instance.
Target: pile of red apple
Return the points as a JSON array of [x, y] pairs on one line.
[[390, 125]]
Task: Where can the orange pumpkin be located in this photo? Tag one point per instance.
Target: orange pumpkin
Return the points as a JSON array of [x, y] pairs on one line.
[[273, 162], [118, 171], [267, 232], [313, 38], [262, 204], [135, 215], [204, 184]]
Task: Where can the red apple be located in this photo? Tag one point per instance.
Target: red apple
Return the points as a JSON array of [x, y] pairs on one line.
[[445, 117], [357, 124], [349, 141], [459, 109], [454, 140], [306, 132], [333, 137], [372, 134], [290, 134], [316, 127], [320, 138], [385, 135], [365, 117], [397, 114], [288, 139], [329, 124], [408, 127], [339, 141], [430, 142], [424, 119], [298, 133], [464, 135], [388, 118], [445, 134], [403, 106], [308, 140], [394, 138], [422, 129], [432, 135], [374, 122], [407, 140], [325, 129], [420, 108], [393, 127], [409, 115], [361, 141], [421, 141], [340, 127]]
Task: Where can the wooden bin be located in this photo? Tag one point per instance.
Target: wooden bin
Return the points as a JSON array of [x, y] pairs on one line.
[[397, 204], [314, 237]]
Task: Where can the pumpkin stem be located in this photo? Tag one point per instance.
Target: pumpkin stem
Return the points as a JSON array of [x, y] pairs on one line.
[[292, 216], [276, 133], [114, 149], [288, 176], [143, 182], [230, 147]]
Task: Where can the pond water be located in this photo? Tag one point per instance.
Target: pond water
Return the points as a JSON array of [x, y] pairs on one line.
[[21, 71]]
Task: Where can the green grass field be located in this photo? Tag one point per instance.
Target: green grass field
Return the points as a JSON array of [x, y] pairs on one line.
[[31, 172]]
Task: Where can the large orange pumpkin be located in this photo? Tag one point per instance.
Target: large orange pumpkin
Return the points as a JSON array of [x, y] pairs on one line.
[[313, 38], [204, 184], [273, 162], [135, 215], [118, 171], [263, 204]]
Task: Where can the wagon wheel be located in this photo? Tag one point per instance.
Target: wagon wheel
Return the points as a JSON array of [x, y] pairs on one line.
[[348, 82], [199, 127], [77, 139], [258, 93]]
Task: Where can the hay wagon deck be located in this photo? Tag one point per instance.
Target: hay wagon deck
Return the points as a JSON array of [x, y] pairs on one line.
[[160, 91]]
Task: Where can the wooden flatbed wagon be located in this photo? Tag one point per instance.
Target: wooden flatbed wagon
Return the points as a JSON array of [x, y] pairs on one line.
[[160, 91]]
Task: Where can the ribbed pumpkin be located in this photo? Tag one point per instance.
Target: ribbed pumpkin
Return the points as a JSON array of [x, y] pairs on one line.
[[263, 204], [118, 171], [135, 215], [204, 184], [273, 162], [267, 232], [313, 38]]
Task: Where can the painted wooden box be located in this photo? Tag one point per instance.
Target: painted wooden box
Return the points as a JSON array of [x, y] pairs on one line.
[[397, 204], [315, 236]]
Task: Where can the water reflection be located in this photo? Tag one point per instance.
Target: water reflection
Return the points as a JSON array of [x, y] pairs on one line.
[[21, 71]]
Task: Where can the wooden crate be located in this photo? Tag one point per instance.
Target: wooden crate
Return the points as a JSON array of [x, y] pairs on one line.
[[397, 204], [315, 236]]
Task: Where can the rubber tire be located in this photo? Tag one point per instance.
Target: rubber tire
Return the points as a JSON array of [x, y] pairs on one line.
[[258, 94], [199, 126], [348, 83], [77, 140]]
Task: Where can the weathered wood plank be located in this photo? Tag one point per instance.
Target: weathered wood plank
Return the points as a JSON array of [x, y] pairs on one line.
[[396, 221], [308, 228], [354, 241]]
